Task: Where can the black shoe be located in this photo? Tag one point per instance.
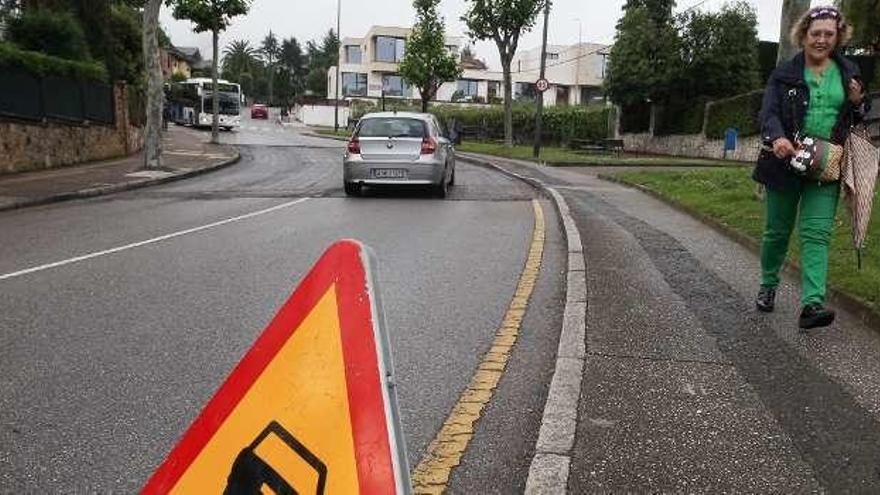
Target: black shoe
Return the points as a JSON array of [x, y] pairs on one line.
[[814, 316], [766, 299]]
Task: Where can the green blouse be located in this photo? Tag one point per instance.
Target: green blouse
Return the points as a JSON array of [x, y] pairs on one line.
[[826, 100]]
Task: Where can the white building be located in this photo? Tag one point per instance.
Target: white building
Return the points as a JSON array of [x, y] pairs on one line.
[[371, 63]]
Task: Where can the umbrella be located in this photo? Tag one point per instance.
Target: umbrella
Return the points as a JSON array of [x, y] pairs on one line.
[[859, 177]]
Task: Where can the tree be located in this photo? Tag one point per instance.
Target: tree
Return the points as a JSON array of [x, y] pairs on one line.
[[294, 62], [214, 16], [644, 58], [792, 10], [427, 63], [155, 93], [321, 58], [503, 22], [660, 11], [239, 57], [270, 51], [864, 15], [716, 45]]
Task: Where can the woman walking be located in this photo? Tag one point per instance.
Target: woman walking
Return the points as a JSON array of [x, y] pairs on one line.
[[820, 94]]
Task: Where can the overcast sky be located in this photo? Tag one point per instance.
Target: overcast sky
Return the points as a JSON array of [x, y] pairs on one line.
[[310, 19]]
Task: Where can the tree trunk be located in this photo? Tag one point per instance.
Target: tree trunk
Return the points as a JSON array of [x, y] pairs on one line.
[[271, 82], [791, 12], [215, 97], [155, 95], [508, 103]]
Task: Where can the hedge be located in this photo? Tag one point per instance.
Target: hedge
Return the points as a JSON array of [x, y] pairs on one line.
[[45, 65], [740, 112], [561, 124], [635, 118], [683, 117]]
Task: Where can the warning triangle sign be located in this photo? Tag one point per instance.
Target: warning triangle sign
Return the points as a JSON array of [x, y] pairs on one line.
[[311, 408]]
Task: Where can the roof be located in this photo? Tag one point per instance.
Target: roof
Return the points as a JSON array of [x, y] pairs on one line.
[[190, 52]]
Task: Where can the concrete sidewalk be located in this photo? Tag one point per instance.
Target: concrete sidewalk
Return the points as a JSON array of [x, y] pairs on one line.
[[186, 152], [668, 380]]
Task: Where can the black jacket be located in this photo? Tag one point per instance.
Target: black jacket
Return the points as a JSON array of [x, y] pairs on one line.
[[784, 109]]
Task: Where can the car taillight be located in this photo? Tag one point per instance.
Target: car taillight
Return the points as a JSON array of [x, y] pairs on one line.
[[354, 146], [428, 146]]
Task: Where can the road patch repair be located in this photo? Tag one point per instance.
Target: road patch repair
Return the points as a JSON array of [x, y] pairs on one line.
[[447, 448]]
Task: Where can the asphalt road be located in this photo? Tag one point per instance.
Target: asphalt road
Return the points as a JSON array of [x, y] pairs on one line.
[[104, 362]]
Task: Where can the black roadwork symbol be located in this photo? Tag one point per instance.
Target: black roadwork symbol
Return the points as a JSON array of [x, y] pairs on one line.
[[250, 472]]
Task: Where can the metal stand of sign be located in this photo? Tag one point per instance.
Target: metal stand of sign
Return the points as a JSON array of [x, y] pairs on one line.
[[542, 83]]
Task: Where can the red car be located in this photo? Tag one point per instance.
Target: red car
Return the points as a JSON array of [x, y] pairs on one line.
[[259, 111]]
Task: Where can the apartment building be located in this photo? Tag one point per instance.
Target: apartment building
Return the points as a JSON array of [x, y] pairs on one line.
[[369, 69]]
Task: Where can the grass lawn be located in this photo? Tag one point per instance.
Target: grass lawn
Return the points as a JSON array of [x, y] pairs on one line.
[[328, 131], [728, 196], [557, 156]]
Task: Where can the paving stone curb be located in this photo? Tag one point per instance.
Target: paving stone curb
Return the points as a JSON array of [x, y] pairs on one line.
[[549, 469], [115, 188]]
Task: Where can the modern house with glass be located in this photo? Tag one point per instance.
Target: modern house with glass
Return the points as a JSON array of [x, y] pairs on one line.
[[369, 69]]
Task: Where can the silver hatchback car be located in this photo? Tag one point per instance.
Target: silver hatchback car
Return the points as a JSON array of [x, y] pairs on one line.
[[395, 148]]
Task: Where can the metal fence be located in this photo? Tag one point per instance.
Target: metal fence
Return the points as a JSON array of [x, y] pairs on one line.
[[26, 96]]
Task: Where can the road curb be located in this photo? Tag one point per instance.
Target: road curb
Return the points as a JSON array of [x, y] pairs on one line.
[[835, 297], [324, 136], [549, 469], [115, 188]]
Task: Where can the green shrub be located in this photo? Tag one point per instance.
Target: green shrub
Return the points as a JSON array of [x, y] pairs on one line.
[[53, 33], [682, 117], [740, 112], [635, 118], [560, 124], [44, 65]]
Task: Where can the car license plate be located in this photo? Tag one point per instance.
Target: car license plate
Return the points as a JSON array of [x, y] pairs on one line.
[[389, 173]]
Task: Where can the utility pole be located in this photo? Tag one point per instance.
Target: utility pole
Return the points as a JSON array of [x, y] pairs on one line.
[[536, 151], [577, 68], [339, 49]]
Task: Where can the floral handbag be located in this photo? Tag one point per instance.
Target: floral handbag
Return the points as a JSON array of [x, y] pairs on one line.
[[818, 159]]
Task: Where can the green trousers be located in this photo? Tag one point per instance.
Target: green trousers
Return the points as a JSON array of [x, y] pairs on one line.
[[814, 206]]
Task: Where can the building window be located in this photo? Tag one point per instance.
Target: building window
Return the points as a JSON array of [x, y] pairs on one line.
[[591, 95], [353, 54], [354, 84], [494, 90], [394, 85], [466, 89], [552, 56], [525, 91], [390, 49]]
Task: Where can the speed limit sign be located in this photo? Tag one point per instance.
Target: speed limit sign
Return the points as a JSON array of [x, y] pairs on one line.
[[542, 85]]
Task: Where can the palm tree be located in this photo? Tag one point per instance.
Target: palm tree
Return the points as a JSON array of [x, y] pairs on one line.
[[239, 58], [270, 51]]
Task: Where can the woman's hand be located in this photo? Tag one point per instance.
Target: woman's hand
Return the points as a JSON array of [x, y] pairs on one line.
[[782, 148], [856, 92]]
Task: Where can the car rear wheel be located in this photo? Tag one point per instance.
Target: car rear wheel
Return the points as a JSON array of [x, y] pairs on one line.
[[352, 189], [442, 188]]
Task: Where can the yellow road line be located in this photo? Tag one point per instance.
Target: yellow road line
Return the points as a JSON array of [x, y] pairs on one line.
[[448, 447]]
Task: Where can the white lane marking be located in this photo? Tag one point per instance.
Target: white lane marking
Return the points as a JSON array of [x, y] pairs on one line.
[[149, 241]]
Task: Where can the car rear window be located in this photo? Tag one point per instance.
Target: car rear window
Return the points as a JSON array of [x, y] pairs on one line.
[[392, 127]]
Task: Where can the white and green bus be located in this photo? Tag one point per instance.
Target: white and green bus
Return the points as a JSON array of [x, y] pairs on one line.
[[191, 102]]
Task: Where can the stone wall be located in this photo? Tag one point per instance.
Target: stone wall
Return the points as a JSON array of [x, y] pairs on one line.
[[26, 146], [691, 145]]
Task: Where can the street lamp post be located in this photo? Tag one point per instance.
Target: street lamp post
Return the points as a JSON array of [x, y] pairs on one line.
[[338, 61]]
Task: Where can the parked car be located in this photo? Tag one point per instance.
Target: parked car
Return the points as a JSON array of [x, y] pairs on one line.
[[394, 148], [259, 111]]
